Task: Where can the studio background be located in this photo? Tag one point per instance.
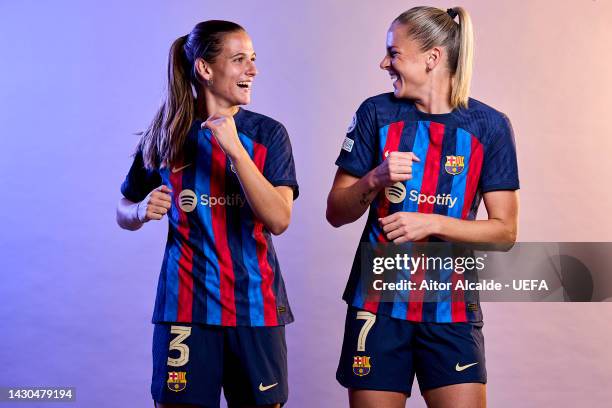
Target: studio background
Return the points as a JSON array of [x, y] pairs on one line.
[[80, 78]]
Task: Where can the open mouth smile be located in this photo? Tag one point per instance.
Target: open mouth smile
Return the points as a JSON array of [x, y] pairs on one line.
[[245, 85]]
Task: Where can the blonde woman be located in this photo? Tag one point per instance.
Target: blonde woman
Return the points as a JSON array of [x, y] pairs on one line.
[[420, 159]]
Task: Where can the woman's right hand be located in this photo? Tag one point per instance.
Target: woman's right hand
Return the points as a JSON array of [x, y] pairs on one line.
[[155, 205], [396, 167]]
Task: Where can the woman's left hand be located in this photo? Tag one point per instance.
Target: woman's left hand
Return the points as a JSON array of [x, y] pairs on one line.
[[402, 227], [224, 130]]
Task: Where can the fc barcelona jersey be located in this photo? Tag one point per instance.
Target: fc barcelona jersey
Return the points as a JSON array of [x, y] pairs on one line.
[[463, 154], [219, 266]]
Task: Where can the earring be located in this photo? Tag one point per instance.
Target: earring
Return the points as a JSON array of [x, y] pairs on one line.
[[209, 82]]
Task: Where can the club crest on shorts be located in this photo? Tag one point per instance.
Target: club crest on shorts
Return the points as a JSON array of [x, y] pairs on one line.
[[361, 365], [454, 165], [177, 380]]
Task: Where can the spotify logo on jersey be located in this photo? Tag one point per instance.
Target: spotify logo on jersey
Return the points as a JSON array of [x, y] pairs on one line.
[[188, 200], [396, 193]]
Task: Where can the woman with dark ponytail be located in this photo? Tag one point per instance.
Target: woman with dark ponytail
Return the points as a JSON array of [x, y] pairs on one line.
[[225, 177], [421, 159]]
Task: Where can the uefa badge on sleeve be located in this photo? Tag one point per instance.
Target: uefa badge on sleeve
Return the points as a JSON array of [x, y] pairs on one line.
[[348, 144], [454, 165], [177, 380], [353, 124], [361, 365]]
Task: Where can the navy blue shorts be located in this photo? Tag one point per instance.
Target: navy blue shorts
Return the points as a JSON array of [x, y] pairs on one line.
[[193, 362], [383, 353]]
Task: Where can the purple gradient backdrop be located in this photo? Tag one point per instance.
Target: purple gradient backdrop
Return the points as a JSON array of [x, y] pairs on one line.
[[79, 79]]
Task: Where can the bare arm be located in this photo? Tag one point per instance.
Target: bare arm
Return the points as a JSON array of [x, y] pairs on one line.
[[500, 227], [272, 205], [351, 196]]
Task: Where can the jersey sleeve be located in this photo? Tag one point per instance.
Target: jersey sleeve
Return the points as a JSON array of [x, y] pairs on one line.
[[139, 181], [499, 168], [279, 168], [358, 152]]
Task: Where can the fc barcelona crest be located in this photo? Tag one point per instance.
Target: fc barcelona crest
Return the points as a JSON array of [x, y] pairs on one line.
[[454, 165], [177, 380], [361, 365]]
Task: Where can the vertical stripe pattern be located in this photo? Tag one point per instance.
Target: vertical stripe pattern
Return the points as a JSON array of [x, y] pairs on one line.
[[389, 142], [220, 267], [429, 186], [419, 148], [172, 264], [266, 272], [212, 271], [249, 255], [185, 261], [217, 182], [433, 142], [474, 168]]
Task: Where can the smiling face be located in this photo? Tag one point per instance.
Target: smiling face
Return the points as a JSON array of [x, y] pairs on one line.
[[232, 73], [405, 62]]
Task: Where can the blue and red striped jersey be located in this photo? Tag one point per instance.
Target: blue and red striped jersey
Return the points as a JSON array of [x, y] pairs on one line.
[[463, 154], [219, 266]]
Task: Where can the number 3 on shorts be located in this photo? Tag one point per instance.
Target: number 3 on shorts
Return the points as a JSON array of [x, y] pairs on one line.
[[182, 333], [370, 319]]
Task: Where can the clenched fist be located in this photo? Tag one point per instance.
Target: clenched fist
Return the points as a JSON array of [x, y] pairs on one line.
[[396, 167], [224, 130], [155, 205]]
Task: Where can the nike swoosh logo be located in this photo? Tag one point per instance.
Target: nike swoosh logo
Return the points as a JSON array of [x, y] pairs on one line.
[[175, 170], [263, 388], [461, 368]]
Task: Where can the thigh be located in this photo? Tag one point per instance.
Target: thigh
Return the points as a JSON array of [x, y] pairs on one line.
[[255, 366], [376, 399], [450, 353], [256, 406], [376, 354], [187, 365], [467, 395]]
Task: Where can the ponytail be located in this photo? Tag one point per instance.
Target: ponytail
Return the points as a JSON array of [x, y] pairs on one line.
[[431, 27], [161, 143], [462, 79]]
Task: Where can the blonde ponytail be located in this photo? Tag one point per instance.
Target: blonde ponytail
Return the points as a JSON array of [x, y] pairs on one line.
[[465, 59], [431, 27]]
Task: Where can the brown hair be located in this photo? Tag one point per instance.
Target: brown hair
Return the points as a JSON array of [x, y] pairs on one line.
[[162, 142], [432, 27]]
